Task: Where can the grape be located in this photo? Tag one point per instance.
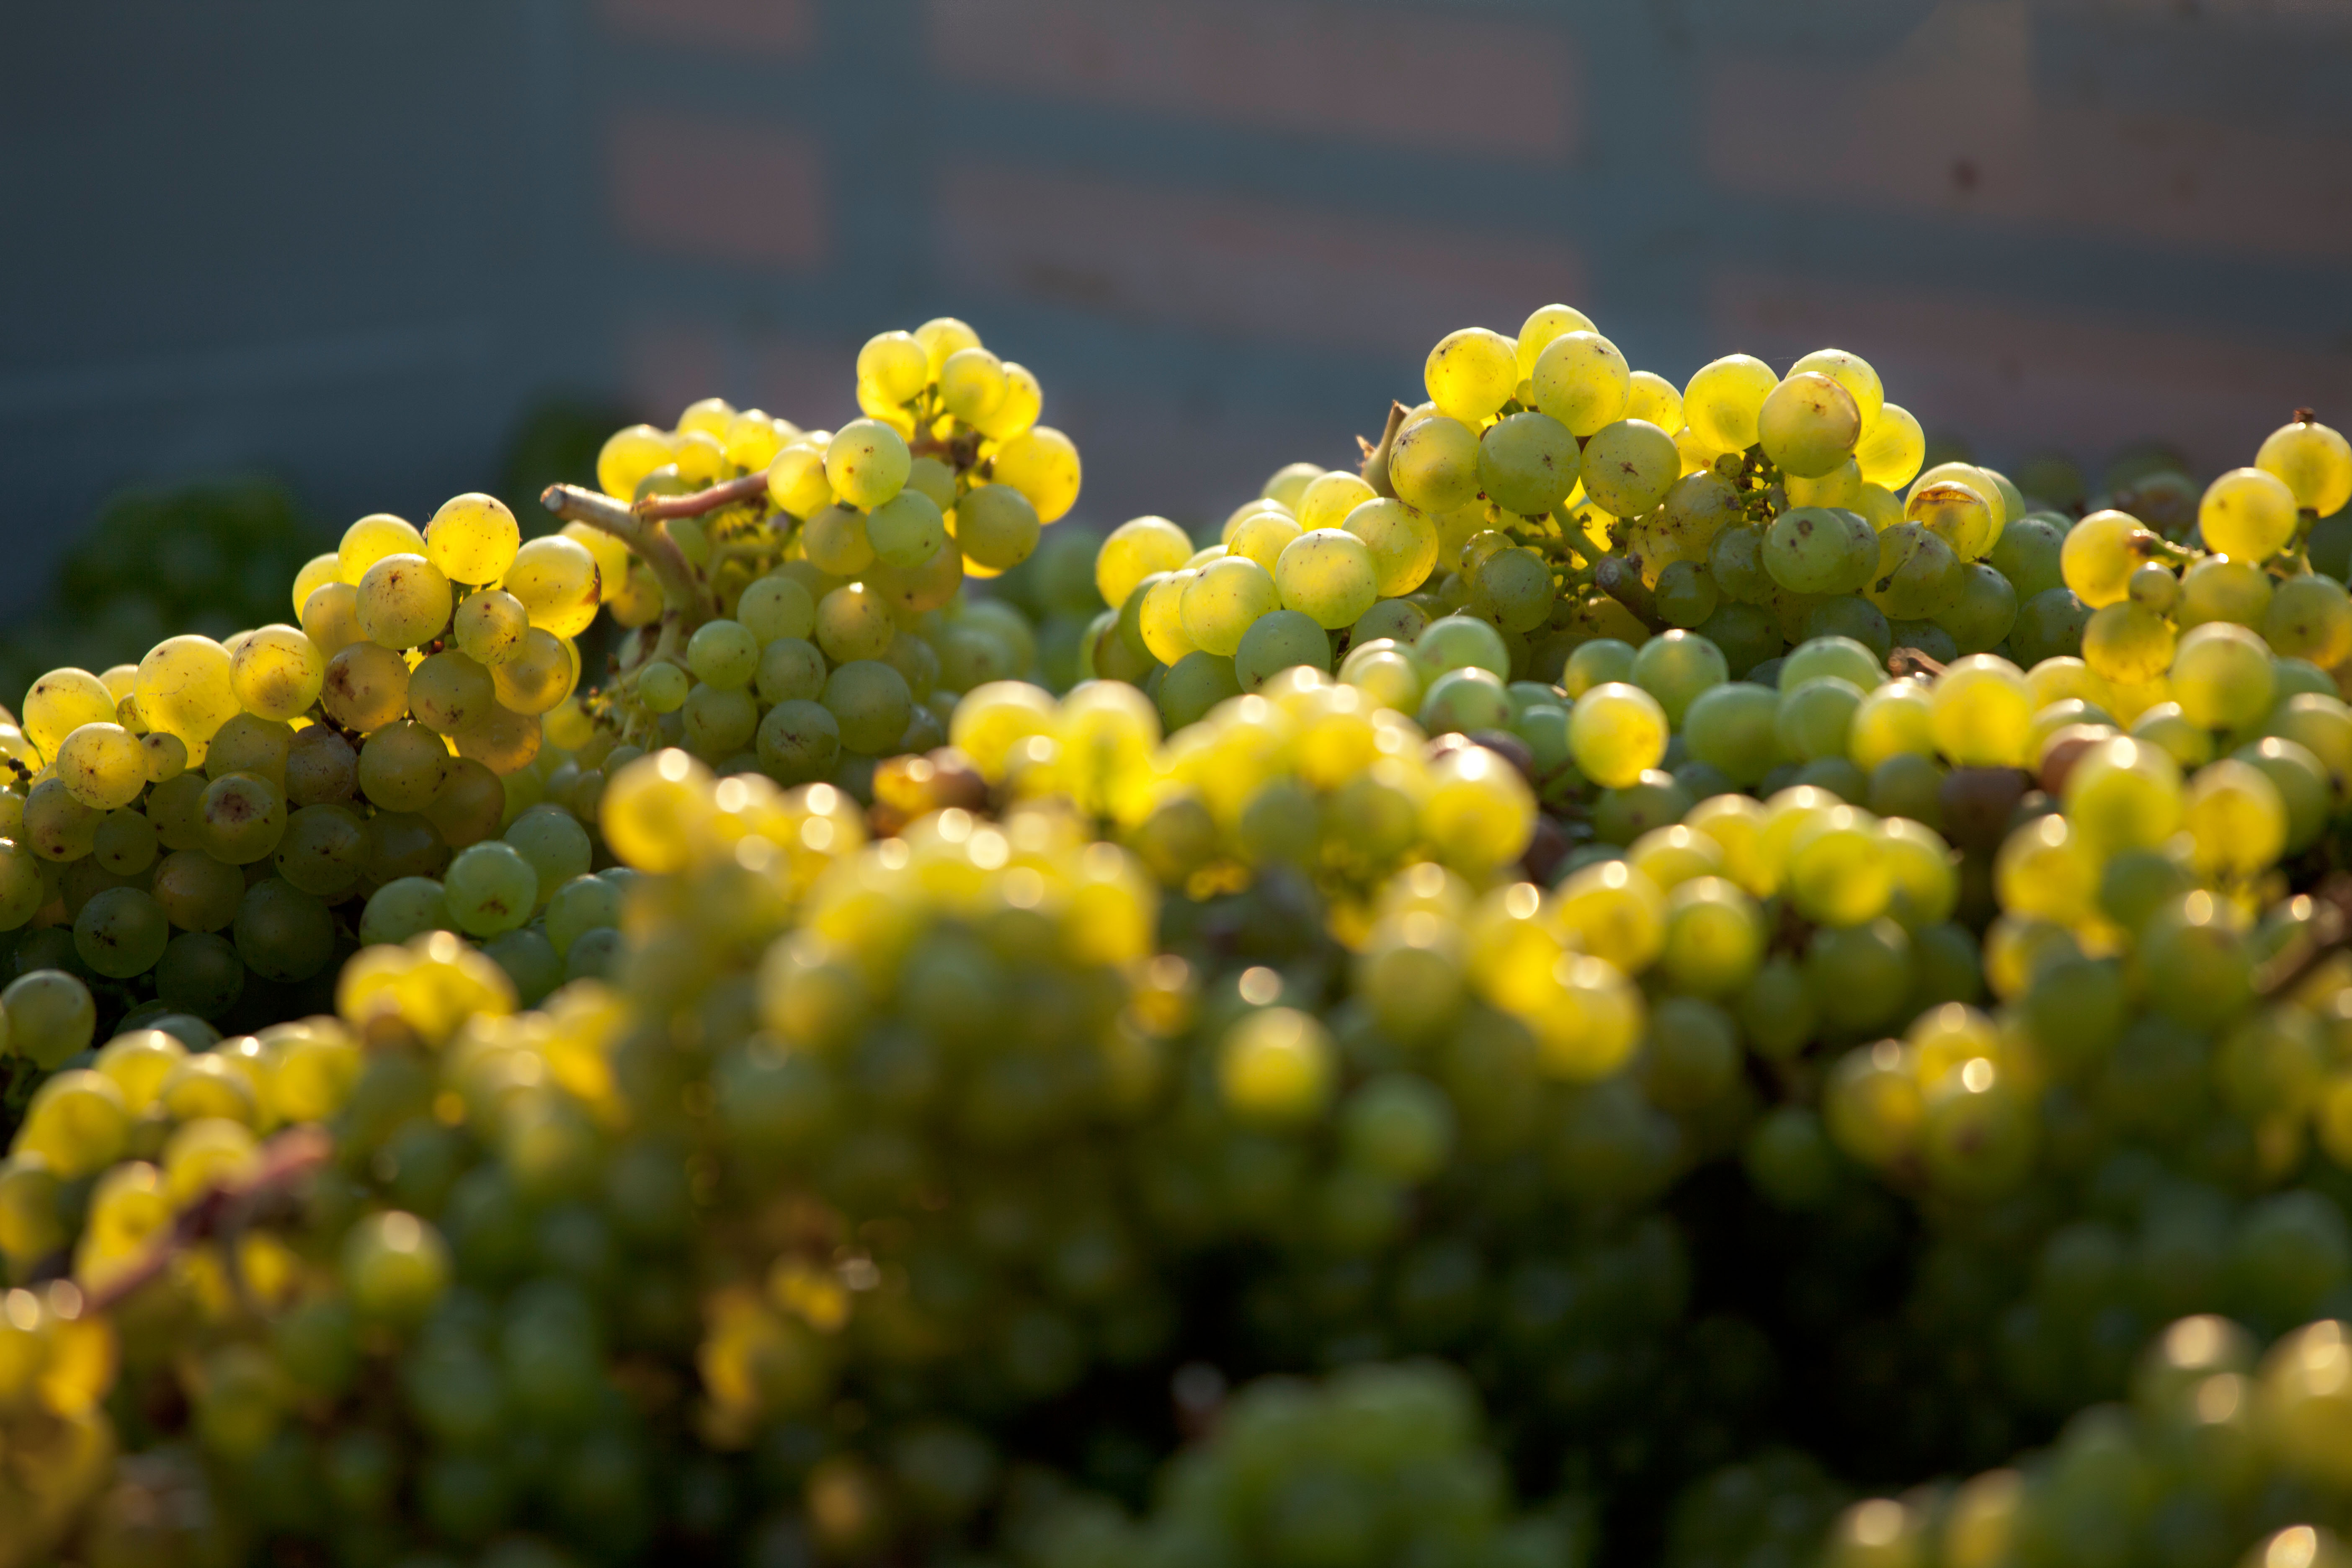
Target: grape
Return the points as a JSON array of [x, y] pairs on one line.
[[2221, 675], [103, 766], [402, 767], [1471, 374], [777, 606], [870, 702], [472, 539], [1469, 699], [1982, 713], [403, 601], [124, 842], [1581, 378], [1262, 535], [1527, 463], [1616, 732], [277, 672], [2247, 514], [241, 818], [1329, 575], [797, 740], [1816, 550], [1042, 464], [1916, 573], [1282, 640], [556, 581], [995, 526], [366, 687], [404, 908], [1815, 718], [1892, 448], [2310, 618], [1981, 619], [250, 745], [324, 851], [1675, 667], [723, 654], [121, 932], [1515, 587], [2315, 462], [184, 689], [1402, 544], [1686, 595], [50, 1015], [490, 888], [1809, 424], [2049, 625], [2099, 556], [448, 691], [1629, 466], [1852, 618], [1433, 465], [2128, 643], [1221, 602], [372, 538], [196, 892], [1725, 398]]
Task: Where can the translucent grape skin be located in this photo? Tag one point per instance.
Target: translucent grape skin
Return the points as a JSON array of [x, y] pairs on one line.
[[490, 888]]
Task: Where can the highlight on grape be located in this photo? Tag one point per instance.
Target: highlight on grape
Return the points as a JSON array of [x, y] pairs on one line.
[[1640, 975]]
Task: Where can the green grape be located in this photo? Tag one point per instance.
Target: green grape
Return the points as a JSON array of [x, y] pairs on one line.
[[1433, 465], [916, 663], [895, 363], [1527, 463], [2310, 618], [403, 601], [1516, 586], [2217, 589], [972, 384], [1814, 719], [448, 691], [1402, 544], [723, 654], [797, 740], [1581, 378], [870, 702], [103, 766], [1981, 619], [578, 906], [1136, 549], [2221, 675], [1723, 400], [2028, 554], [472, 539], [1329, 575], [51, 1016], [1817, 551], [196, 892], [1735, 559], [1282, 640], [717, 724], [1390, 620], [1472, 372], [2303, 786], [551, 839], [183, 689], [1853, 618], [1385, 672], [402, 767], [199, 974], [1616, 732], [404, 908], [1450, 642], [996, 526], [490, 888], [2127, 644], [2315, 462], [853, 622], [1465, 700], [1731, 726], [1686, 595], [282, 933], [1221, 602], [866, 462], [124, 842], [2194, 962], [324, 852], [2247, 514], [776, 606], [1629, 466], [791, 668], [1262, 536], [277, 672], [2099, 555], [1193, 685], [836, 541], [489, 626], [401, 845], [662, 687], [242, 818], [249, 745], [2154, 586], [1656, 799], [120, 932], [2049, 625], [1857, 977], [530, 961], [1677, 668], [366, 687], [907, 530], [1916, 575], [1809, 424]]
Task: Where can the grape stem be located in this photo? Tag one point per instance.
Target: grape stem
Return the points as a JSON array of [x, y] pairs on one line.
[[747, 488], [1374, 470], [686, 592], [1911, 661], [223, 1212]]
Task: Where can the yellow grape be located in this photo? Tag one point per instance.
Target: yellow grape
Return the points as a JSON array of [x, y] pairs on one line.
[[557, 584], [372, 538], [2247, 514], [1134, 551], [1470, 374], [2315, 461], [1581, 380], [62, 702], [896, 364], [1852, 372], [277, 672], [1724, 399], [472, 537], [1892, 448]]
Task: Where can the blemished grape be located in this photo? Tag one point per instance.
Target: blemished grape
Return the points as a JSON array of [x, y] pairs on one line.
[[449, 691], [1433, 465], [1528, 462], [1818, 549], [490, 888], [1629, 465], [1404, 543], [1329, 575], [1809, 424], [472, 539]]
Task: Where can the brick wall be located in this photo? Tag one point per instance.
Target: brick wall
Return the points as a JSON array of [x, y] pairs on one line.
[[1223, 232]]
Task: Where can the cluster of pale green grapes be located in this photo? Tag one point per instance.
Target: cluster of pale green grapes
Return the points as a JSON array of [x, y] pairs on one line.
[[202, 832], [816, 621], [1753, 986]]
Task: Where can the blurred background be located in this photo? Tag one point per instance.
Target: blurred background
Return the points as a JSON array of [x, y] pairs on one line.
[[321, 261]]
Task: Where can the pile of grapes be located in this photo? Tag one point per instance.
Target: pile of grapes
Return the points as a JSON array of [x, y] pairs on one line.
[[1633, 980]]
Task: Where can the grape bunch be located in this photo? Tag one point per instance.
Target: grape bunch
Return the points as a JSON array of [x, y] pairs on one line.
[[808, 614]]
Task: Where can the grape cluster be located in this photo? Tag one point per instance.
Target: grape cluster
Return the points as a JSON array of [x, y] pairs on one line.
[[1598, 1088], [816, 621]]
